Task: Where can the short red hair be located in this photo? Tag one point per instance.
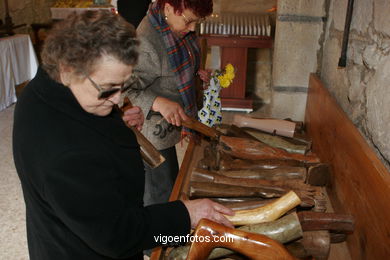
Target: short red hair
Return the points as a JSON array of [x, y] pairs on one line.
[[201, 8]]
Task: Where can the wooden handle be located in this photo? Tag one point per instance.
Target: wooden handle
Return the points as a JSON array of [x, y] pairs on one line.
[[252, 245], [209, 190], [269, 125], [277, 174], [283, 230], [266, 213], [326, 221], [285, 143], [227, 162], [202, 175], [149, 153], [201, 128]]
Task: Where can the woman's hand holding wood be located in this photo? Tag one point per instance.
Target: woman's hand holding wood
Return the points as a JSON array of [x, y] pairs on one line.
[[205, 208], [134, 117], [170, 110]]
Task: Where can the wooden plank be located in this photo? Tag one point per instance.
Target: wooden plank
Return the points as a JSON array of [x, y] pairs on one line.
[[360, 182], [238, 58]]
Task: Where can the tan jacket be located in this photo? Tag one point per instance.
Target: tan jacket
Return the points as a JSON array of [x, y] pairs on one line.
[[156, 78]]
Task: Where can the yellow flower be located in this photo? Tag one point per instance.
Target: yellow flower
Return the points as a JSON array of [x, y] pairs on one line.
[[230, 76], [224, 82], [229, 69]]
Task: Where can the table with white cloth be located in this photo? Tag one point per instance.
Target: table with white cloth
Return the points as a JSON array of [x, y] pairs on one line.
[[18, 63]]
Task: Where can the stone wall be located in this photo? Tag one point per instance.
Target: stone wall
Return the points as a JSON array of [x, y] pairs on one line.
[[27, 11], [362, 88], [308, 38]]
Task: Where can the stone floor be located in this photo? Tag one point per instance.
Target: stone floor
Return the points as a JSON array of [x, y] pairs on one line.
[[13, 244]]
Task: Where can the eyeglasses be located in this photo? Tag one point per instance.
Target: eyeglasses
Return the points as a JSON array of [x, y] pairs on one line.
[[108, 92], [188, 22]]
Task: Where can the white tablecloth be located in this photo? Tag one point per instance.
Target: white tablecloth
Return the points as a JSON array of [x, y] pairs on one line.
[[18, 63]]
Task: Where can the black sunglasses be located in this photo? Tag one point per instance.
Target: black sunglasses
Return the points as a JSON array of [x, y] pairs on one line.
[[108, 92]]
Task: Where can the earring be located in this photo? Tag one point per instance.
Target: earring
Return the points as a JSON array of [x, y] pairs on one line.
[[166, 18]]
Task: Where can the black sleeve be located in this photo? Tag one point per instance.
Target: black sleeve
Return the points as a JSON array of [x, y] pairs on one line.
[[133, 11], [82, 189]]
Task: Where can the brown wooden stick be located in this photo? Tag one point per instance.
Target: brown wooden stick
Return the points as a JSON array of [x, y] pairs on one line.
[[304, 191], [201, 128], [277, 174], [214, 177], [209, 190], [252, 245], [255, 150], [270, 125], [149, 153], [227, 162], [326, 221]]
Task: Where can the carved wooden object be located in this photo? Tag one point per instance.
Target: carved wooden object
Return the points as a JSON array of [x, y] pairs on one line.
[[269, 212], [275, 188], [278, 142], [227, 162], [277, 174], [287, 229], [209, 190], [255, 150], [269, 125], [245, 148], [311, 221], [149, 153], [252, 245], [314, 244]]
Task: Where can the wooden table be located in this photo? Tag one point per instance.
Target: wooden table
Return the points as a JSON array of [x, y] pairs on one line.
[[360, 182], [18, 63]]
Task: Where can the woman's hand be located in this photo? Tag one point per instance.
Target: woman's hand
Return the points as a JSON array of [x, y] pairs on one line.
[[205, 208], [205, 76], [134, 117], [170, 110]]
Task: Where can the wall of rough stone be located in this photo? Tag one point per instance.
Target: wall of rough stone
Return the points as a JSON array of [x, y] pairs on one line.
[[27, 11], [362, 88]]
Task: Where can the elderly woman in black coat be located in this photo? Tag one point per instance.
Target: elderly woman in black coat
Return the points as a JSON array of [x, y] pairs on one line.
[[79, 165]]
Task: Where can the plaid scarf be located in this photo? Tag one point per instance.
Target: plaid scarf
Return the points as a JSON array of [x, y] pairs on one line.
[[183, 55]]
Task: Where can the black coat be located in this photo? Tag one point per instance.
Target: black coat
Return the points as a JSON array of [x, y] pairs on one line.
[[133, 11], [83, 180]]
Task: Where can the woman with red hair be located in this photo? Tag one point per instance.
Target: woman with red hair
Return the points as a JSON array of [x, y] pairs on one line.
[[168, 64]]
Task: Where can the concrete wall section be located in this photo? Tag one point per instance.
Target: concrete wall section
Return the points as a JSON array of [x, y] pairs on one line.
[[287, 104], [295, 50], [299, 28]]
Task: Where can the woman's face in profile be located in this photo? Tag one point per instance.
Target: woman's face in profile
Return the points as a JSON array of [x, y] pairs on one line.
[[109, 75], [181, 23]]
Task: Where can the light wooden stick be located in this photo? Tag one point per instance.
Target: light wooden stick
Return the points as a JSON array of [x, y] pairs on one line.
[[266, 213]]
